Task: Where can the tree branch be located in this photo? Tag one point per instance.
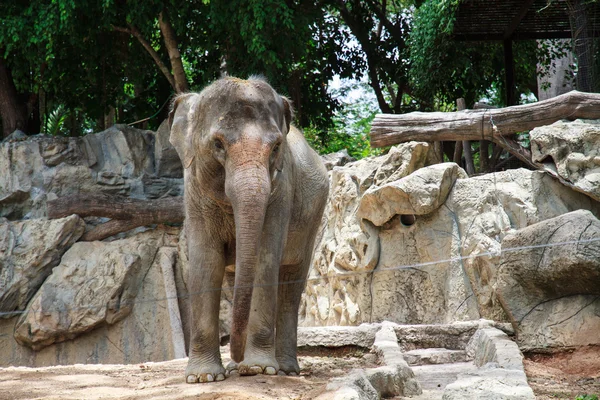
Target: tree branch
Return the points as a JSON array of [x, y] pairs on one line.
[[133, 31], [168, 33]]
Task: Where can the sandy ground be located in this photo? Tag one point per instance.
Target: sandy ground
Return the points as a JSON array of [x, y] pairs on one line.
[[164, 380], [552, 376], [564, 375]]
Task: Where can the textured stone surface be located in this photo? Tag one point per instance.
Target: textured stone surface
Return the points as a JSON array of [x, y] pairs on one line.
[[393, 378], [337, 336], [421, 246], [120, 160], [419, 193], [500, 375], [434, 356], [95, 283], [572, 150], [549, 281], [337, 159], [168, 163], [144, 335], [345, 246], [28, 252]]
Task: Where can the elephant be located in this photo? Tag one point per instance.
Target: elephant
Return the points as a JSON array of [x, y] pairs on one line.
[[254, 195]]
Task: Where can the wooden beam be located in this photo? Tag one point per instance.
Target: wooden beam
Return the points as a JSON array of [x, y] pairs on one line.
[[514, 23], [390, 129]]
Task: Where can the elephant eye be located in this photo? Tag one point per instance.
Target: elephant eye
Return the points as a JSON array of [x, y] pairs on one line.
[[219, 144], [276, 148]]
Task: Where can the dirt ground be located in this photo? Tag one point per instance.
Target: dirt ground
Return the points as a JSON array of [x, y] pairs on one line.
[[564, 375], [164, 380]]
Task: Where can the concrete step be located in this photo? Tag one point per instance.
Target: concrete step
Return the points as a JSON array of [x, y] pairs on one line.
[[434, 356], [435, 377]]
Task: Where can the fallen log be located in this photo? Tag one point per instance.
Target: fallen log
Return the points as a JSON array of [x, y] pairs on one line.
[[125, 213], [487, 124]]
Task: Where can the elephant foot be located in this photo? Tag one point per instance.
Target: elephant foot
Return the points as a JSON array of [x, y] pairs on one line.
[[231, 367], [258, 365], [204, 373], [289, 367]]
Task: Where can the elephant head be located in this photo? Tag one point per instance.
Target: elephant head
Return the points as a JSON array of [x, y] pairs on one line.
[[231, 139]]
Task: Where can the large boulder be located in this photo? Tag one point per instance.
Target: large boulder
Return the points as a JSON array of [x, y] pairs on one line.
[[346, 247], [570, 149], [422, 245], [95, 283], [548, 281], [120, 160], [28, 252]]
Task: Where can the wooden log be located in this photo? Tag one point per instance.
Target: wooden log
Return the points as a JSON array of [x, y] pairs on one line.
[[390, 129], [125, 213], [165, 210], [111, 228]]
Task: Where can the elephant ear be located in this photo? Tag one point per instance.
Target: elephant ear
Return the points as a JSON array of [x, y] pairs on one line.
[[288, 112], [179, 124]]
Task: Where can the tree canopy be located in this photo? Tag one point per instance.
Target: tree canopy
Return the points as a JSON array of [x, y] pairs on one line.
[[72, 67]]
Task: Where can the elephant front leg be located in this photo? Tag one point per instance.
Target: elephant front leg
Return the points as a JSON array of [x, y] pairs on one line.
[[259, 354], [207, 266], [291, 284]]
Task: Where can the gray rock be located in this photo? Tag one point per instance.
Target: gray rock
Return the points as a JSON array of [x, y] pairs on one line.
[[419, 193], [434, 356], [168, 164], [95, 283], [120, 160], [348, 246], [144, 335], [548, 281], [337, 336], [570, 150], [396, 378], [501, 374], [28, 252], [496, 384], [337, 159], [17, 135]]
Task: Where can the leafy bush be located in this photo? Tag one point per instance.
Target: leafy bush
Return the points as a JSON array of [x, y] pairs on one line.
[[587, 397]]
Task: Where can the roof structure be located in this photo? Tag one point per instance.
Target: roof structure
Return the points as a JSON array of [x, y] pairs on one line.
[[485, 20]]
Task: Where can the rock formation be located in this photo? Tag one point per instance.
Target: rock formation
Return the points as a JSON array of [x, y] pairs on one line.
[[403, 239]]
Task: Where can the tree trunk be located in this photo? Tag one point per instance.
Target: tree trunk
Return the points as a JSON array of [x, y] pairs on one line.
[[12, 111], [171, 43], [133, 31]]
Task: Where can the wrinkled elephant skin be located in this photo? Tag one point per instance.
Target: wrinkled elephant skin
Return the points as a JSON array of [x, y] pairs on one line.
[[254, 193]]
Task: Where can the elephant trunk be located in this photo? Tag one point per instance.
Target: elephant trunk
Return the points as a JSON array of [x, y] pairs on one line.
[[248, 189]]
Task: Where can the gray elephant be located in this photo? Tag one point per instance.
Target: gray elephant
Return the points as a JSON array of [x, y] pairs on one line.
[[254, 195]]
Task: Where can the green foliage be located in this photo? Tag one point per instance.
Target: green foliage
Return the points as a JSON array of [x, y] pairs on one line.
[[444, 69], [351, 125], [587, 397], [54, 123]]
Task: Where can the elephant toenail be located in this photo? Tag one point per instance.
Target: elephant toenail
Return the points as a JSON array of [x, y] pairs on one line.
[[220, 377], [191, 379], [293, 374], [210, 378], [281, 373], [255, 370], [270, 371]]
